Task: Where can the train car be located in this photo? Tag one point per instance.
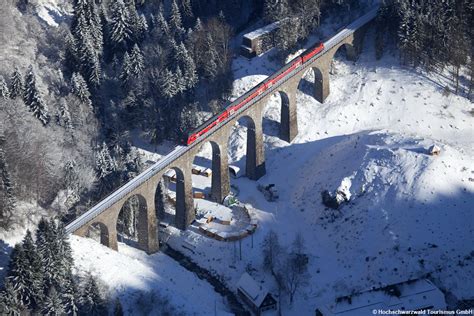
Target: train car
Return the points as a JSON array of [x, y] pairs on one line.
[[312, 51], [207, 126], [283, 72], [254, 92]]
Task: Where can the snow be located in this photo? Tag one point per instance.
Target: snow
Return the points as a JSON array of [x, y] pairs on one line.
[[264, 30], [52, 11], [256, 293], [129, 272]]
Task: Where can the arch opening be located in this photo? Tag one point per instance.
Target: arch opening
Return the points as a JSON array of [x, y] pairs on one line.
[[245, 146], [276, 117], [339, 62], [210, 174], [170, 196], [132, 222], [311, 85], [99, 232]]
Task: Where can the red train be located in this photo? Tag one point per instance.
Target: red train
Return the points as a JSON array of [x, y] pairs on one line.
[[254, 93]]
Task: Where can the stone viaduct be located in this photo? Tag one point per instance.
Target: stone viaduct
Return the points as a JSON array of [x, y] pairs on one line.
[[255, 160]]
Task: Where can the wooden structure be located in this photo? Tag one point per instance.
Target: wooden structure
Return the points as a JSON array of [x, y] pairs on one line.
[[261, 40], [254, 295]]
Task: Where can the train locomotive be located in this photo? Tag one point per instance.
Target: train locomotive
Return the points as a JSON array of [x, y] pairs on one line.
[[256, 91]]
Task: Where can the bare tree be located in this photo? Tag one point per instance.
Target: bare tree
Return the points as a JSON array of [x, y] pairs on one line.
[[271, 251]]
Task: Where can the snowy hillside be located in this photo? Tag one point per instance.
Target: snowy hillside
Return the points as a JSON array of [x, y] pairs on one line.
[[409, 213]]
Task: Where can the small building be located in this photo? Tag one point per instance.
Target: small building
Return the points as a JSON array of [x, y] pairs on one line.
[[434, 150], [255, 295], [411, 295], [261, 40]]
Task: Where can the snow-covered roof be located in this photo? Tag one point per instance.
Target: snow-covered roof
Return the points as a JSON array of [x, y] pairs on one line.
[[263, 30], [413, 295], [254, 291], [434, 149]]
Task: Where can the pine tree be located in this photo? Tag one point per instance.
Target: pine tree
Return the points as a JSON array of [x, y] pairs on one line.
[[118, 310], [4, 91], [7, 197], [53, 306], [126, 72], [19, 273], [187, 63], [179, 80], [167, 84], [33, 98], [211, 56], [80, 89], [120, 30], [175, 20], [198, 26], [45, 239], [10, 304], [17, 87], [162, 27], [275, 10], [105, 164], [63, 117], [137, 62], [34, 278], [91, 300]]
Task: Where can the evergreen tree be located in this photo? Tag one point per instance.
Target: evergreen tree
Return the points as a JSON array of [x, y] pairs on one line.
[[63, 117], [91, 300], [187, 63], [275, 10], [17, 87], [120, 29], [137, 62], [80, 89], [138, 25], [4, 91], [45, 239], [179, 80], [105, 164], [211, 55], [18, 274], [126, 72], [167, 84], [53, 306], [34, 278], [33, 98], [175, 20], [118, 310], [162, 27], [10, 304], [7, 197]]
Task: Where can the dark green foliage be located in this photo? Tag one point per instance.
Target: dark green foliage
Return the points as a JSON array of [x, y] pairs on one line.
[[17, 86], [33, 99], [91, 301], [118, 310], [7, 197], [433, 34], [39, 278]]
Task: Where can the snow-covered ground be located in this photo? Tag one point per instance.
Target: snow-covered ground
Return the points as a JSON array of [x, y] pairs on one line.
[[409, 213]]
